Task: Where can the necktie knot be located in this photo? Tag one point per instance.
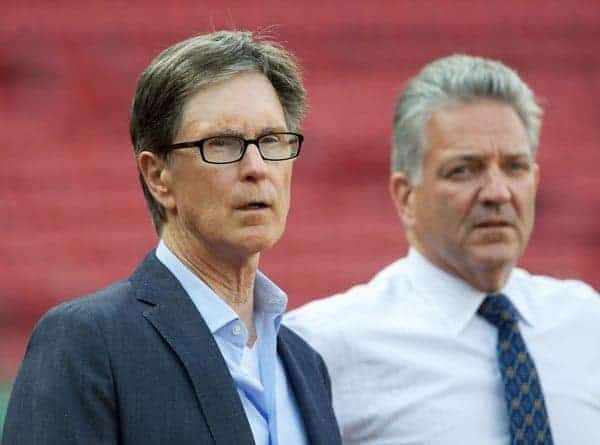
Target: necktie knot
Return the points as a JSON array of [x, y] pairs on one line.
[[498, 310]]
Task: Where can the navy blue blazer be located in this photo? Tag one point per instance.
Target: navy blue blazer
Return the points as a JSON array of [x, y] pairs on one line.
[[135, 364]]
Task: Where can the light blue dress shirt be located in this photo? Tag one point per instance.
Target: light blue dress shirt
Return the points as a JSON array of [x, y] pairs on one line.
[[257, 372]]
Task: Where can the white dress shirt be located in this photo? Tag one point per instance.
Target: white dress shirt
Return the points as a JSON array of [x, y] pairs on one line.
[[411, 362]]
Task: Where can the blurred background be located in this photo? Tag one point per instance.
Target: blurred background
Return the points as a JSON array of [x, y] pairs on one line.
[[73, 215]]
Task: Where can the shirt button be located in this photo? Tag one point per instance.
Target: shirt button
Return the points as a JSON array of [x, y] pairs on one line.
[[236, 330]]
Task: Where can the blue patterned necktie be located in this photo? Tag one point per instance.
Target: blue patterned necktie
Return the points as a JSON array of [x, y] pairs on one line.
[[529, 423]]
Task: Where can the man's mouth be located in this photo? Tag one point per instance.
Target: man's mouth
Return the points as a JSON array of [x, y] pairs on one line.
[[254, 205], [492, 223]]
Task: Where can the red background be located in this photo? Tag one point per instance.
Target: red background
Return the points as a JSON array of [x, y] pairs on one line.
[[73, 218]]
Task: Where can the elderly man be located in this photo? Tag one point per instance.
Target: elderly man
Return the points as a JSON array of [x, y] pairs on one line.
[[453, 344], [189, 349]]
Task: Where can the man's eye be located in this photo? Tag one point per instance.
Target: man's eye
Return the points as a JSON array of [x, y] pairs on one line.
[[519, 166], [459, 171], [221, 142], [270, 139]]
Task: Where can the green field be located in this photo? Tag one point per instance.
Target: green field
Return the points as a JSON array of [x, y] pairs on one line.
[[4, 393]]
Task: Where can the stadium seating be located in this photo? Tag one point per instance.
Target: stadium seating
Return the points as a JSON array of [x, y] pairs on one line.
[[73, 214]]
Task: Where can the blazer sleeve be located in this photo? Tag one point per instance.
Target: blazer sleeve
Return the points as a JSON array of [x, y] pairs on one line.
[[64, 393]]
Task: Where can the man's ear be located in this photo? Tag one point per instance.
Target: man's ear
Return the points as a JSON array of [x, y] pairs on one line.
[[401, 191], [157, 175]]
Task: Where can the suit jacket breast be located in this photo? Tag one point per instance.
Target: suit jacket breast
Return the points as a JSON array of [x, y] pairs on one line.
[[136, 364]]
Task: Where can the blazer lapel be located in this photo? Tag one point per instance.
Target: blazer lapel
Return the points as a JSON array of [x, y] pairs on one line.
[[311, 394], [177, 320]]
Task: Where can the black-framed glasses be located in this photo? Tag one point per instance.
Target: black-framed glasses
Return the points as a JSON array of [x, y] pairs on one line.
[[226, 149]]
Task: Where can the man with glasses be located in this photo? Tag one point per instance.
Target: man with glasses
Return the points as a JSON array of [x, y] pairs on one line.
[[453, 344], [189, 349]]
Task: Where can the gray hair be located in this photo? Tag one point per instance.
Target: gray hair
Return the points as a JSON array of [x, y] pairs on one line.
[[200, 61], [455, 79]]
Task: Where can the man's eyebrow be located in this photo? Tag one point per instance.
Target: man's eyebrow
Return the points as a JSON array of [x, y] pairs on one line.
[[515, 155], [238, 133], [478, 156], [464, 157], [226, 132], [267, 130]]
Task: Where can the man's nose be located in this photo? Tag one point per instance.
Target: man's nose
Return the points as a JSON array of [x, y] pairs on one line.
[[495, 188], [252, 164]]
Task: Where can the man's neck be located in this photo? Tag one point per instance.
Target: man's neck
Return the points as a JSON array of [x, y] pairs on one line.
[[232, 279], [486, 279]]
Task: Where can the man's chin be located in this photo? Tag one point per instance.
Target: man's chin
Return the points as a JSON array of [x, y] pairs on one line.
[[494, 255], [256, 239]]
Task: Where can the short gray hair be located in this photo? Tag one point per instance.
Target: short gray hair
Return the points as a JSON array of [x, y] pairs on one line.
[[455, 79], [200, 61]]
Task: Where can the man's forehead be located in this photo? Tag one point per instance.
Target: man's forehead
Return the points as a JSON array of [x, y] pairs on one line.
[[491, 116], [482, 152], [243, 104], [482, 128], [224, 127]]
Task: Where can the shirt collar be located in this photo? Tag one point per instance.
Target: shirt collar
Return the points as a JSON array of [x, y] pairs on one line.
[[520, 297], [455, 299], [269, 300], [268, 297]]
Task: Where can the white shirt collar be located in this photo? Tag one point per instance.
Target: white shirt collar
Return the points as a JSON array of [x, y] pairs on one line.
[[455, 299]]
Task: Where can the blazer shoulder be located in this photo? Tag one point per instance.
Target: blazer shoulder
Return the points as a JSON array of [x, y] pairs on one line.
[[304, 354], [66, 378], [297, 343], [108, 299], [85, 319]]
